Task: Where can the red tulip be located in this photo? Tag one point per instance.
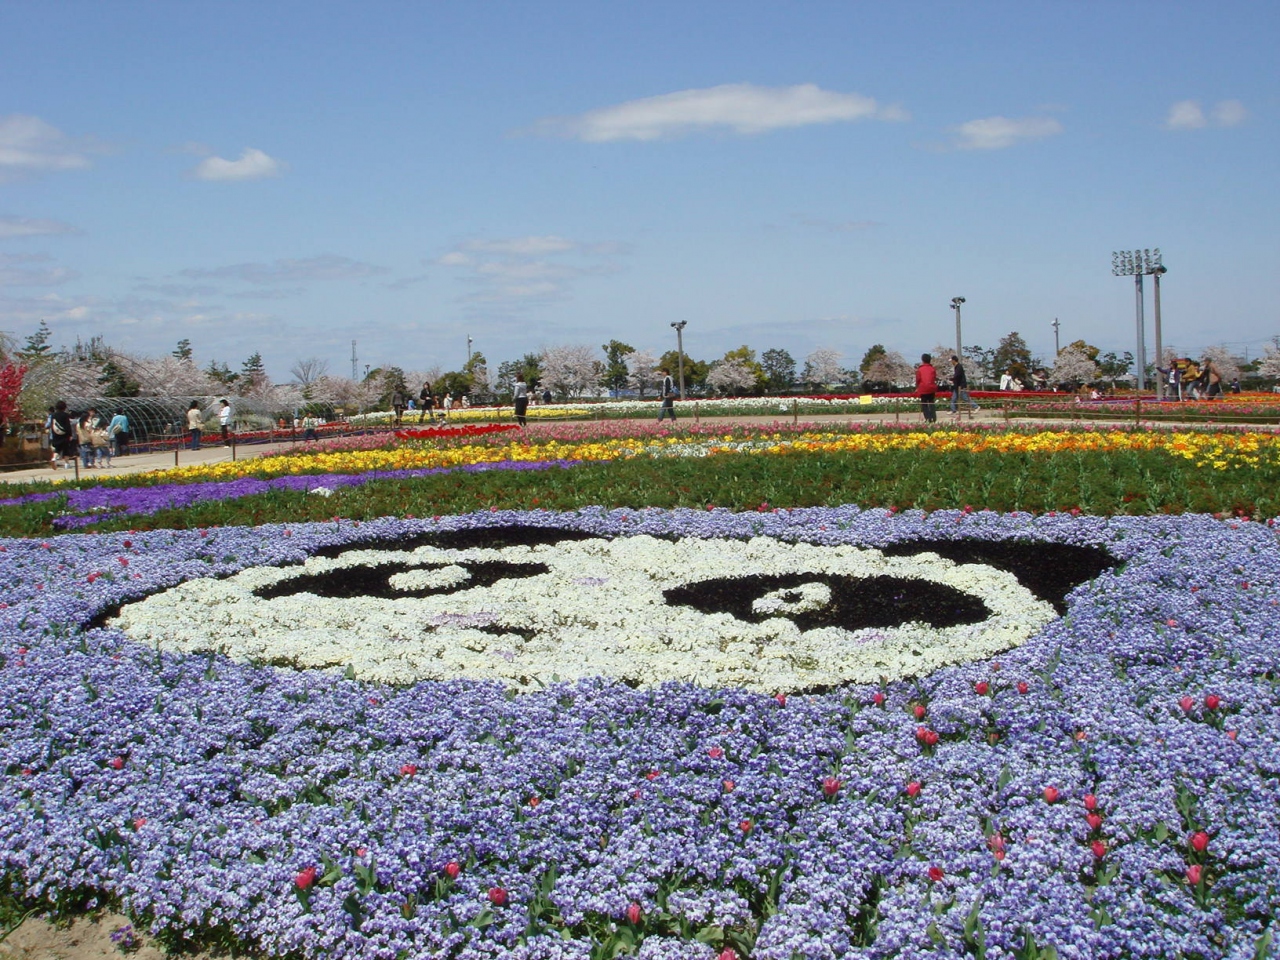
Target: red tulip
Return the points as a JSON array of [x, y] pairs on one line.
[[497, 896], [781, 698], [1094, 821], [116, 763], [715, 753], [1187, 704], [745, 826], [981, 688], [919, 711], [306, 878], [124, 561], [1050, 794], [1212, 701], [127, 544], [936, 874], [1090, 802], [913, 788], [831, 786], [653, 775], [1231, 734], [728, 786], [1199, 841], [634, 913], [728, 953], [452, 869], [878, 698], [1099, 849], [1194, 874], [408, 770], [534, 800], [139, 823]]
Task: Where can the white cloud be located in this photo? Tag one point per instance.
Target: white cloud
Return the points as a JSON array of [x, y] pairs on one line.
[[1229, 113], [17, 270], [1189, 115], [739, 107], [522, 270], [252, 165], [327, 266], [29, 145], [25, 227], [997, 133], [1185, 115]]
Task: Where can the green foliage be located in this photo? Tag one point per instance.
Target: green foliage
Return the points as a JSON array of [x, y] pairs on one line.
[[615, 369], [779, 369], [874, 353], [695, 371], [37, 347], [184, 351], [1013, 355]]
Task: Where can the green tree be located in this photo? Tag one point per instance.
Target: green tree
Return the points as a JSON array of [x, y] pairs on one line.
[[184, 352], [779, 370], [873, 354], [695, 371], [116, 382], [1014, 356], [221, 374], [37, 348], [615, 368]]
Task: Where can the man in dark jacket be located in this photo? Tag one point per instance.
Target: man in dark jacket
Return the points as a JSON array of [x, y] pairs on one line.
[[959, 386]]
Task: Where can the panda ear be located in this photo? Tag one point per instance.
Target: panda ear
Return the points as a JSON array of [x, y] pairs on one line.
[[1049, 570], [496, 537]]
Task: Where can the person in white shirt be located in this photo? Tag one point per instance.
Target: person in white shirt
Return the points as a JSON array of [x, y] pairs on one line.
[[224, 421]]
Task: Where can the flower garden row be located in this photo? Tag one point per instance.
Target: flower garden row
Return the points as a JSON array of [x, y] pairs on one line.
[[668, 733]]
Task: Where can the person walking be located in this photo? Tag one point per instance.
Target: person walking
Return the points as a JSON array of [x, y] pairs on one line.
[[195, 424], [86, 429], [521, 394], [224, 422], [398, 402], [668, 394], [63, 432], [426, 400], [118, 434], [960, 387], [927, 388]]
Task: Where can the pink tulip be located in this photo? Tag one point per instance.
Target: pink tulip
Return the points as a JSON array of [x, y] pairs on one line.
[[878, 698], [715, 753], [1050, 794], [981, 688], [498, 896], [831, 786], [745, 826], [306, 878], [1199, 841], [1099, 849], [919, 711], [1212, 702], [728, 786], [634, 913], [781, 698], [1090, 802], [408, 770], [728, 953], [913, 788], [1094, 821], [1194, 874], [1187, 704], [452, 869], [116, 763]]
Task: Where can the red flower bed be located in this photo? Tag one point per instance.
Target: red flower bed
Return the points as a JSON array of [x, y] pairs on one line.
[[468, 430]]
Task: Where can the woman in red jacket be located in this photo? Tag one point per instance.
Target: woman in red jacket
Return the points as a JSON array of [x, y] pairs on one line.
[[927, 388]]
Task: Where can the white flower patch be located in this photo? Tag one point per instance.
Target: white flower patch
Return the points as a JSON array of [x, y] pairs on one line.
[[598, 610]]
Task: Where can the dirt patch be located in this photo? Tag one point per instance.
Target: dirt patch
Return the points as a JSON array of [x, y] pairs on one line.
[[86, 938]]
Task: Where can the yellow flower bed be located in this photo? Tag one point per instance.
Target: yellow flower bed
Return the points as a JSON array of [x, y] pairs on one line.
[[1219, 451]]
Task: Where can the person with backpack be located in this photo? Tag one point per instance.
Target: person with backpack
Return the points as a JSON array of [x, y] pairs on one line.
[[63, 432], [668, 394]]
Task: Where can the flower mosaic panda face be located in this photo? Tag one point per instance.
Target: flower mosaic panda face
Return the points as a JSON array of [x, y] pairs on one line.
[[534, 604]]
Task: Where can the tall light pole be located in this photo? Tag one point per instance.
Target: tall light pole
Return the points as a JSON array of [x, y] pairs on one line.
[[1137, 264], [468, 350], [955, 305], [680, 325], [1056, 348], [1156, 274]]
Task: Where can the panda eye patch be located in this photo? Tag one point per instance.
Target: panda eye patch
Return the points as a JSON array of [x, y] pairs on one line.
[[851, 603]]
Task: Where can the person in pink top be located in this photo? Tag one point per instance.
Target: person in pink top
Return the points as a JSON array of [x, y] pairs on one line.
[[927, 388]]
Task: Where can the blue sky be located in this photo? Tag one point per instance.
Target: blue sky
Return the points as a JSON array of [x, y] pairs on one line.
[[287, 177]]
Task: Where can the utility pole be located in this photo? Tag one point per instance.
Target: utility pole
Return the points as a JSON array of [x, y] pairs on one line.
[[1057, 349], [680, 325], [955, 305], [354, 367]]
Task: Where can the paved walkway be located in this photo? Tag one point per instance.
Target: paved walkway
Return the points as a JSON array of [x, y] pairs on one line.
[[146, 462]]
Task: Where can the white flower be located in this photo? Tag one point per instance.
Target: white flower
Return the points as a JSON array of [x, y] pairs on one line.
[[600, 608]]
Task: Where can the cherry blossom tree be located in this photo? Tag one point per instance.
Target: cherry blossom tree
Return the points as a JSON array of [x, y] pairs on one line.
[[642, 371], [571, 371], [892, 368], [822, 367], [1074, 366], [731, 376]]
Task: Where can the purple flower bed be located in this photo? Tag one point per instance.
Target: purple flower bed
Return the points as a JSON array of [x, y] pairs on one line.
[[1111, 788], [93, 504]]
